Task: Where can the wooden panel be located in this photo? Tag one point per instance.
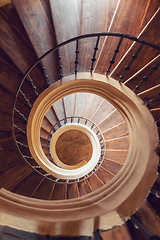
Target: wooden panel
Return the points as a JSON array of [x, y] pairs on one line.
[[59, 192], [9, 158], [14, 175], [146, 54], [33, 16], [118, 143], [93, 102], [156, 113], [96, 17], [116, 131], [128, 22], [69, 103], [118, 156], [104, 175], [153, 80], [95, 182], [111, 166], [102, 112], [83, 188], [9, 71], [118, 233], [80, 103], [46, 125], [72, 191], [51, 116], [59, 109], [44, 189], [111, 120], [28, 184], [148, 218], [67, 25]]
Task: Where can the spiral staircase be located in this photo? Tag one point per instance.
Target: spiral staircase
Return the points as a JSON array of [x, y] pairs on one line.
[[80, 117]]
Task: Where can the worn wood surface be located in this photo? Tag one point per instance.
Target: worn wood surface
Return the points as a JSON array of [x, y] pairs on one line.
[[118, 233], [33, 16]]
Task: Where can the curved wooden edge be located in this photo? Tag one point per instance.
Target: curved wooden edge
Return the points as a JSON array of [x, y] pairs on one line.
[[129, 188], [4, 2]]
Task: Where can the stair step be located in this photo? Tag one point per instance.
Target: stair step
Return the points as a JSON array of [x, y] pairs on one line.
[[95, 182], [111, 166], [104, 175], [46, 125], [11, 156], [83, 188], [92, 104], [138, 76], [118, 143], [118, 233], [59, 109], [110, 120], [51, 116], [59, 192], [28, 184], [44, 189], [116, 131], [9, 178], [69, 103], [72, 191], [145, 55], [123, 21], [33, 14], [80, 103], [118, 156], [147, 217]]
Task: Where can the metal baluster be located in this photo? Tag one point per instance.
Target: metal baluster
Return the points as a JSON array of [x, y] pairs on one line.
[[112, 61], [76, 61], [26, 99], [60, 67], [33, 86], [22, 115], [153, 100], [19, 143], [94, 54], [145, 78], [20, 129], [127, 68], [46, 77], [139, 226]]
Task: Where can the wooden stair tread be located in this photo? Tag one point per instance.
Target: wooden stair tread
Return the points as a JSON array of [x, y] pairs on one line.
[[44, 189], [83, 188], [95, 182], [72, 191], [118, 233], [116, 131], [104, 175], [138, 77], [66, 26], [11, 157], [145, 55], [28, 184], [118, 143], [14, 175], [59, 192], [111, 166], [103, 111], [124, 21], [59, 109], [80, 103], [156, 113], [69, 103], [112, 119], [51, 116], [46, 125], [92, 103], [118, 155], [33, 14], [147, 212]]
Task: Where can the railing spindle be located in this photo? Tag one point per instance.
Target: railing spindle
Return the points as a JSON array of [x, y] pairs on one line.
[[76, 60], [112, 61], [94, 54]]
